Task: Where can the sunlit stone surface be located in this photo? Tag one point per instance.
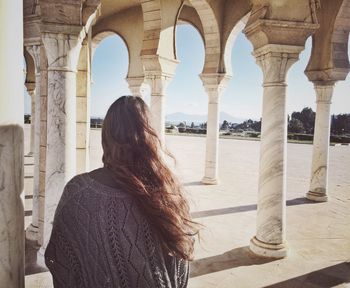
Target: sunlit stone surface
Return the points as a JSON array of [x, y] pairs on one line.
[[319, 172], [317, 233]]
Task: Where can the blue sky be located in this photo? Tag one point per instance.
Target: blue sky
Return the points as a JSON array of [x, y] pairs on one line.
[[242, 98]]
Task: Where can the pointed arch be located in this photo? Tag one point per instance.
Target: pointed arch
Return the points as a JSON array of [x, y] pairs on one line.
[[227, 50], [211, 35], [29, 67]]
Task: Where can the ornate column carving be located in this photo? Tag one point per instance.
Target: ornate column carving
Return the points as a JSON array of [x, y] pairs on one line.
[[32, 230], [214, 85], [62, 52], [319, 170]]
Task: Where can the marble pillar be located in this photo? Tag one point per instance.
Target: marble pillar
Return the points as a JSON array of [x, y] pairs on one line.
[[214, 85], [157, 107], [83, 109], [11, 145], [43, 142], [319, 170], [32, 230], [62, 52], [270, 239], [159, 71], [136, 86], [32, 121]]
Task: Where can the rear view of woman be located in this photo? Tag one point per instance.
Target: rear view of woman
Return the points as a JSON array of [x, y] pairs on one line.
[[126, 224]]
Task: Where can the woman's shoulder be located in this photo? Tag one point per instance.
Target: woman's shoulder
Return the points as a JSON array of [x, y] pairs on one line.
[[85, 182], [82, 190]]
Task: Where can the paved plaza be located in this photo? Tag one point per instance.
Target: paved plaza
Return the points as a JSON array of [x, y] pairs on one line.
[[318, 234]]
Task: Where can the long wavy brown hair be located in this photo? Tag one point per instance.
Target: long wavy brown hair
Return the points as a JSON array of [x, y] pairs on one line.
[[133, 153]]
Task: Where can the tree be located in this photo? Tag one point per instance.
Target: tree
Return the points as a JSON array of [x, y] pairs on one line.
[[256, 126], [307, 118], [250, 125], [296, 126], [225, 125], [27, 119], [340, 124]]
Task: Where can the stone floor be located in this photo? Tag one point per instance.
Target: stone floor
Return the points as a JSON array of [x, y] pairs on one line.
[[318, 234]]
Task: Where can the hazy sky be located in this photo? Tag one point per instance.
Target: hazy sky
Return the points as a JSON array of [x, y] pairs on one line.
[[242, 98]]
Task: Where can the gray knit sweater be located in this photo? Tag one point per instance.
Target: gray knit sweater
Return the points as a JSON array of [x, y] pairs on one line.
[[101, 239]]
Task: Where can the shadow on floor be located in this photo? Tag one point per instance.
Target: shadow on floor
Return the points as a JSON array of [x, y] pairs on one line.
[[193, 183], [31, 249], [244, 208], [234, 258], [328, 277]]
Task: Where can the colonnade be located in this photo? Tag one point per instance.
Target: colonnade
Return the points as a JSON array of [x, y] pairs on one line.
[[60, 126]]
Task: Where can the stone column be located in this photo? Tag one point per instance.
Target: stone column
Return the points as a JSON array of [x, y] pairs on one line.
[[62, 52], [214, 85], [32, 230], [136, 86], [159, 71], [270, 239], [43, 142], [158, 87], [83, 109], [319, 171], [11, 145]]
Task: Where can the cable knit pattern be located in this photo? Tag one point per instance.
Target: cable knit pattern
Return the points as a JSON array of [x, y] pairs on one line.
[[101, 239]]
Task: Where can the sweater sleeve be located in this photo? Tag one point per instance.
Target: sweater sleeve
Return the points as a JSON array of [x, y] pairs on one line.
[[57, 264]]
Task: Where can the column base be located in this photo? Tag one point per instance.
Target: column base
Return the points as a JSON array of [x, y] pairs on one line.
[[210, 181], [268, 250], [30, 154], [317, 196], [32, 233], [40, 257]]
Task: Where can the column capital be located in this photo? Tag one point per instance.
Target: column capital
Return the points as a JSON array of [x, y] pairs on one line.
[[158, 83], [63, 50], [31, 93], [275, 61], [214, 84], [34, 51], [136, 85], [216, 80], [261, 30], [30, 88], [156, 65], [324, 93], [329, 76]]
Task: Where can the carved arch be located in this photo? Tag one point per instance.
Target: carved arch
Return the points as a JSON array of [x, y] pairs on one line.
[[212, 37]]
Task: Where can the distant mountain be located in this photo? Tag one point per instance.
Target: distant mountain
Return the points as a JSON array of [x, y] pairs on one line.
[[178, 117]]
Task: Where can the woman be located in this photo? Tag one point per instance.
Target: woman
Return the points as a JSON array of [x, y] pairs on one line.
[[126, 224]]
